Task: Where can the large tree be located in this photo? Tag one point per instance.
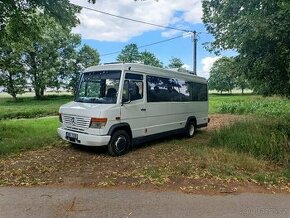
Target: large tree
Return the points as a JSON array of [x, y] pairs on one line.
[[150, 59], [47, 53], [12, 73], [19, 14], [175, 63], [259, 31], [222, 75], [129, 54], [79, 61]]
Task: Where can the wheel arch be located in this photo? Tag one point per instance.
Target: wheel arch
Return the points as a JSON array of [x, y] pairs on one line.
[[121, 126], [190, 119]]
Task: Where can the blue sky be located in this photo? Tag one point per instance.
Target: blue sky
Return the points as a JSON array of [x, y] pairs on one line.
[[108, 34]]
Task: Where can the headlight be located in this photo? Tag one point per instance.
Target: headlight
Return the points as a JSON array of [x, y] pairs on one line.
[[98, 123]]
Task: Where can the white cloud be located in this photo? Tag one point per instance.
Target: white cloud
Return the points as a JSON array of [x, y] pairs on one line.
[[207, 63], [106, 28], [187, 67]]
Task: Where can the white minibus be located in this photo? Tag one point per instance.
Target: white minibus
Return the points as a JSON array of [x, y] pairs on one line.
[[119, 105]]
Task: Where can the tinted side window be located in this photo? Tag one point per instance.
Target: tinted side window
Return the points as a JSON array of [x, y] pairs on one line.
[[185, 91], [166, 90], [162, 89], [198, 92]]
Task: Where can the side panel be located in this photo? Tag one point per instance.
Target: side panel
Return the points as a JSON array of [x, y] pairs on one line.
[[167, 116]]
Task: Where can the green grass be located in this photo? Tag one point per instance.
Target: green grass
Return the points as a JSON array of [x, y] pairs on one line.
[[29, 107], [256, 149], [250, 104], [262, 138], [26, 134]]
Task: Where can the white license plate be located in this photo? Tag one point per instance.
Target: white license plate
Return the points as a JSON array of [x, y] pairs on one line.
[[71, 135]]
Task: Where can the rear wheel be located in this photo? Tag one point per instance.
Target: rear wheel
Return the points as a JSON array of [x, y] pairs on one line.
[[190, 129], [119, 143]]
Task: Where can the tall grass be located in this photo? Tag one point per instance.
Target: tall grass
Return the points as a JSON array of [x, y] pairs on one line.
[[250, 104], [21, 135], [263, 138], [29, 107]]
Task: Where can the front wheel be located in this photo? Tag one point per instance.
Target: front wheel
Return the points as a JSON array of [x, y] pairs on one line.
[[119, 143], [190, 129]]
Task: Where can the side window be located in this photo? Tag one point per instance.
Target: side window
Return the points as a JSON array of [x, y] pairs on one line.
[[185, 91], [198, 92], [133, 87], [163, 89], [202, 92]]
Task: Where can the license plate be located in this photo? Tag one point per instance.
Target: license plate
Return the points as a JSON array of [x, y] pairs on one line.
[[71, 135]]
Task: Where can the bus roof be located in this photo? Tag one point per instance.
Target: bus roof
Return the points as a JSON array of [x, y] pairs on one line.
[[146, 69]]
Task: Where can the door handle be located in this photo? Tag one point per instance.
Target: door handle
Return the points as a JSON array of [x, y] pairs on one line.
[[143, 109]]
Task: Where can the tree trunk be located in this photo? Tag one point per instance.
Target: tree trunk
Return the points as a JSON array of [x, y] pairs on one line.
[[10, 88], [42, 91], [35, 80], [242, 91]]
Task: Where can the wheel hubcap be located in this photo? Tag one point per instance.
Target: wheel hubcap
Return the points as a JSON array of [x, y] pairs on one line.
[[121, 143], [191, 130]]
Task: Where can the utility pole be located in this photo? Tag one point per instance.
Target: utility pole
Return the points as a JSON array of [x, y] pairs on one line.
[[194, 39]]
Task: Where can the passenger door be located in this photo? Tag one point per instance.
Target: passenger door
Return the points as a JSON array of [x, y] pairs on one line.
[[133, 110]]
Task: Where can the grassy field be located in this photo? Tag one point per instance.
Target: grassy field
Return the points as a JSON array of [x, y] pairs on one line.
[[257, 147], [29, 107], [25, 134], [250, 104]]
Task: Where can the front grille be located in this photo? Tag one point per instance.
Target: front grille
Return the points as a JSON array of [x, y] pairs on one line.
[[76, 123]]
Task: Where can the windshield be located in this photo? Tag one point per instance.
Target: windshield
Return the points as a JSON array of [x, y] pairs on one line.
[[99, 87]]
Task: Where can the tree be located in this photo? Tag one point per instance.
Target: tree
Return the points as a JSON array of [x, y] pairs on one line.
[[85, 57], [240, 75], [150, 59], [175, 63], [20, 11], [259, 31], [222, 75], [12, 74], [129, 54], [45, 58]]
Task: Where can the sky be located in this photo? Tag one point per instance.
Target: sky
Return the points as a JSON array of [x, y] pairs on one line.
[[108, 34]]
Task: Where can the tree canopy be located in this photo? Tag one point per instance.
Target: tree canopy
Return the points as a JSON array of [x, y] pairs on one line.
[[129, 54], [175, 63], [150, 59], [259, 31], [19, 13], [222, 75]]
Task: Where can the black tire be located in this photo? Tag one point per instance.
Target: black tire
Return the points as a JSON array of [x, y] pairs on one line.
[[119, 143], [190, 129]]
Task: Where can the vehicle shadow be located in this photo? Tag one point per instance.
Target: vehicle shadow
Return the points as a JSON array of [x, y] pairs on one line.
[[98, 150], [167, 139], [103, 150]]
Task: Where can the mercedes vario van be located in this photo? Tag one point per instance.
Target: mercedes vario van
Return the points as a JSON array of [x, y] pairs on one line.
[[119, 105]]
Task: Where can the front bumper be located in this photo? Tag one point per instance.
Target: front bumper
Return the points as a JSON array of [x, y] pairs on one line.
[[85, 139]]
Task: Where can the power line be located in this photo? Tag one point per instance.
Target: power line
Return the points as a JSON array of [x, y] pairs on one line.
[[143, 46], [133, 20]]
